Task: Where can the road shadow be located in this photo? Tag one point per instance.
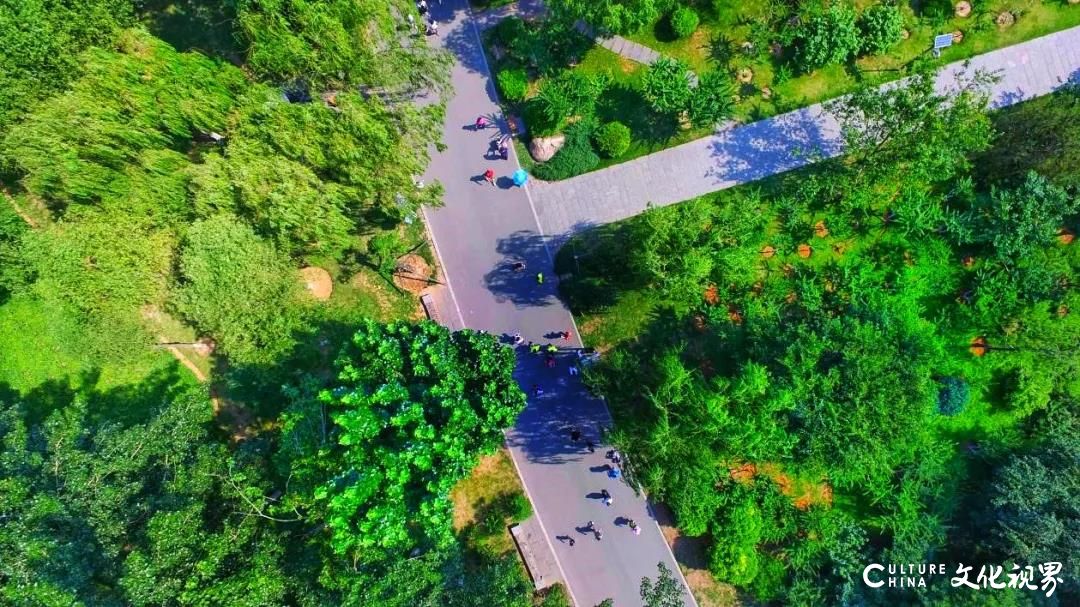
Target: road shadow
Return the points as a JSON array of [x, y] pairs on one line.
[[753, 151], [522, 288], [459, 38]]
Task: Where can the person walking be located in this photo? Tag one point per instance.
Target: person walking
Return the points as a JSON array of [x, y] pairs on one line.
[[591, 446], [518, 339], [537, 390], [575, 434], [552, 348], [539, 278], [481, 122], [567, 335], [489, 176], [433, 28], [534, 348], [504, 151], [606, 496], [573, 370], [571, 542], [519, 266], [634, 527]]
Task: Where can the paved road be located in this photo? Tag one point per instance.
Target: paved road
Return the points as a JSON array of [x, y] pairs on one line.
[[750, 152], [478, 233]]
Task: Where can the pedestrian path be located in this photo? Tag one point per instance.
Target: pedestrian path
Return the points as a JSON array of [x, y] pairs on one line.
[[745, 153], [621, 46], [479, 233]]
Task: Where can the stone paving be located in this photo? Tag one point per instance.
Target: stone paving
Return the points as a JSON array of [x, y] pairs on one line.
[[745, 153]]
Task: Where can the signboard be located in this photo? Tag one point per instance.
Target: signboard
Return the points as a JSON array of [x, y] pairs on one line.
[[942, 41]]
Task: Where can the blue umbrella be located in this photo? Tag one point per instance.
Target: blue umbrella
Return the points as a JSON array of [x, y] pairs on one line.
[[520, 177]]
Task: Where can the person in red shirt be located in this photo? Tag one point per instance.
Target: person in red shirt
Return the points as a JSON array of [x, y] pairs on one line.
[[489, 176]]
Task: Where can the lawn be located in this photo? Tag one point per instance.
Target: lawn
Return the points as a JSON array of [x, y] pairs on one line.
[[47, 359], [720, 43], [477, 500], [736, 21]]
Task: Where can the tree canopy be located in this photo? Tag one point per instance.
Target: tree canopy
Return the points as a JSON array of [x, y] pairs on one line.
[[376, 454]]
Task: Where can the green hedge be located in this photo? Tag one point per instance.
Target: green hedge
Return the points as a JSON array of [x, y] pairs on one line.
[[612, 139], [513, 84], [684, 22]]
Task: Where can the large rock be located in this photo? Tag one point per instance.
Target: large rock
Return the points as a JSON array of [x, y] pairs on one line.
[[543, 148]]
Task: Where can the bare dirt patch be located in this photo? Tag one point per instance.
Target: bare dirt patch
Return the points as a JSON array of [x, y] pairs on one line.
[[318, 282], [412, 274]]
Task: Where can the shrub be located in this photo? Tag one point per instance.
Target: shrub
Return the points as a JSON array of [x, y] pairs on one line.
[[513, 84], [666, 85], [827, 37], [239, 289], [509, 30], [936, 12], [575, 157], [953, 395], [684, 22], [536, 118], [612, 139], [712, 100], [882, 27], [518, 507]]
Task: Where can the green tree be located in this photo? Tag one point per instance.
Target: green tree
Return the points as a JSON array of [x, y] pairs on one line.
[[1033, 512], [614, 16], [684, 21], [340, 44], [239, 289], [99, 512], [826, 36], [412, 409], [666, 85], [1015, 222], [42, 41], [882, 27], [108, 134], [665, 591]]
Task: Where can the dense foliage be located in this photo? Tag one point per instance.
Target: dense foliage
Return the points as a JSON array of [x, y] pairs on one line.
[[147, 141], [513, 84], [412, 409], [827, 36], [882, 27], [839, 367], [132, 499], [615, 16], [42, 40]]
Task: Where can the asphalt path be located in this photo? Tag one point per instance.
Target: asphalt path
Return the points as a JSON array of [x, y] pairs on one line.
[[479, 233]]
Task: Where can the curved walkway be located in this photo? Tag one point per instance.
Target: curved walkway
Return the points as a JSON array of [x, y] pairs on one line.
[[479, 232], [749, 152]]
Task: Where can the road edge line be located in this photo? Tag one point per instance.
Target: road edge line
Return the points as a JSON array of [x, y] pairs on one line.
[[517, 469], [442, 266], [540, 520]]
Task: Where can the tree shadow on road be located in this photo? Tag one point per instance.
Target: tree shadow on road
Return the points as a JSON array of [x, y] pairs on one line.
[[522, 288], [759, 149]]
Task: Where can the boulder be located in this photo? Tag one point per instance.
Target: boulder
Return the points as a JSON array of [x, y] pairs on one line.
[[543, 148]]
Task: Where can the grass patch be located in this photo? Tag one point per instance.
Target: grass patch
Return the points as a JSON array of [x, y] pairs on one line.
[[41, 343], [624, 102], [483, 504]]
